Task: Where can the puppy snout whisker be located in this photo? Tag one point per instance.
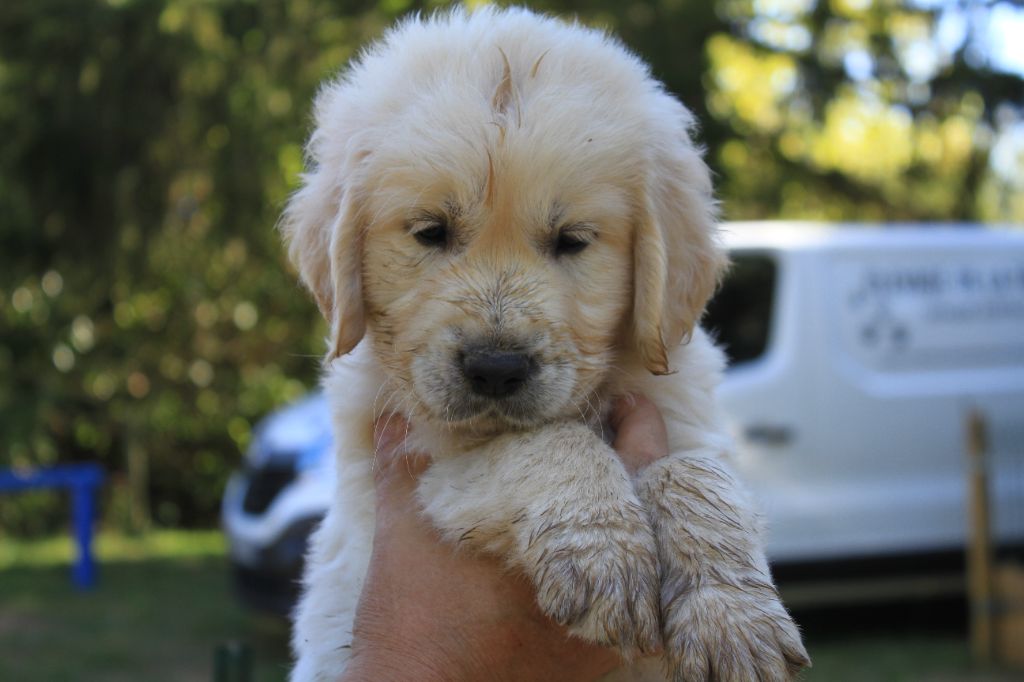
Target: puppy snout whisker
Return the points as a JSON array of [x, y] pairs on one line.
[[496, 373]]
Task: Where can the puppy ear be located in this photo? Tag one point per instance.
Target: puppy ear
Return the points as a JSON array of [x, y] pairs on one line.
[[324, 241], [677, 258]]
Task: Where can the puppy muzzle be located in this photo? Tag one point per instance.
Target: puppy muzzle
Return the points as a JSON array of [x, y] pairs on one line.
[[496, 373]]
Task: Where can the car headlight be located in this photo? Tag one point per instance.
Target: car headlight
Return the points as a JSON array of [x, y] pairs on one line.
[[315, 455]]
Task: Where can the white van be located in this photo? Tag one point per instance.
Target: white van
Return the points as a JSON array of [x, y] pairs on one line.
[[856, 354]]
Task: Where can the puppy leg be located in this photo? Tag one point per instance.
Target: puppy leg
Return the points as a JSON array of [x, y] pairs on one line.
[[558, 505], [721, 614]]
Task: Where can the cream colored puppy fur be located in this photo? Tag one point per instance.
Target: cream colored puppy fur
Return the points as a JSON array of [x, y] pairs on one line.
[[505, 181]]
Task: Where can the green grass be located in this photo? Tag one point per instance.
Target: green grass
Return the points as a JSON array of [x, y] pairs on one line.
[[164, 602], [932, 658], [112, 547]]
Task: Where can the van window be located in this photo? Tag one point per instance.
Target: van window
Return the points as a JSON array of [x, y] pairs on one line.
[[740, 314]]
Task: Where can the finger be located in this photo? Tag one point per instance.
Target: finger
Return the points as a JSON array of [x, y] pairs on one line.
[[640, 432], [623, 406], [389, 436], [393, 461]]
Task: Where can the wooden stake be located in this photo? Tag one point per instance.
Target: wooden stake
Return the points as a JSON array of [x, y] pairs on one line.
[[979, 546]]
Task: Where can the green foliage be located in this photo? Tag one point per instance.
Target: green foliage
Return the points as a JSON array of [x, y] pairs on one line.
[[147, 314]]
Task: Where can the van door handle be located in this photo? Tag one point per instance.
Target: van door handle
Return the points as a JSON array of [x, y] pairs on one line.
[[775, 435]]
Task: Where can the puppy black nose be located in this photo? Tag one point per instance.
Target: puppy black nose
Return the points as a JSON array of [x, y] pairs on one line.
[[495, 373]]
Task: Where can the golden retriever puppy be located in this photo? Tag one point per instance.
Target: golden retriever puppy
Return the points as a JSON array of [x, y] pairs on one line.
[[507, 225]]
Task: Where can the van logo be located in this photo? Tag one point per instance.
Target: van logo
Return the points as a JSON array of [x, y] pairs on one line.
[[933, 311]]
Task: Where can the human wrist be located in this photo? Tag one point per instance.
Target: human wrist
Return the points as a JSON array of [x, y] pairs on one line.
[[424, 656], [390, 665]]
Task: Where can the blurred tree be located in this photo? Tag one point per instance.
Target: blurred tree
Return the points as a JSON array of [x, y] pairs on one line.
[[147, 315], [865, 110]]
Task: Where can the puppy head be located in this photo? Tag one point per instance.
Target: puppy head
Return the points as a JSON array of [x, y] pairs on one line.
[[510, 206]]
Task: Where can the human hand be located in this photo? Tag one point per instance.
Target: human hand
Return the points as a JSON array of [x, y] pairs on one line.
[[428, 613]]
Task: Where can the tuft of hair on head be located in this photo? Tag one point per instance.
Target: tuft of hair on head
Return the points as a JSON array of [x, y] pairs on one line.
[[489, 198], [505, 101], [503, 94], [536, 65]]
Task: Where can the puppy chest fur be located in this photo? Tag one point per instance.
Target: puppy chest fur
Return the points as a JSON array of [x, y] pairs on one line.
[[506, 224]]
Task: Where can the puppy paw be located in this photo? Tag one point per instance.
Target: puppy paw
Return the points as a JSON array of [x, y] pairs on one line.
[[730, 633], [601, 580]]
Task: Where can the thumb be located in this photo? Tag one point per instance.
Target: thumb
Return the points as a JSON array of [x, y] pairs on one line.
[[395, 467], [640, 436]]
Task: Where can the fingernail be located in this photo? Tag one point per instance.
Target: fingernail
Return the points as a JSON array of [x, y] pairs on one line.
[[622, 405]]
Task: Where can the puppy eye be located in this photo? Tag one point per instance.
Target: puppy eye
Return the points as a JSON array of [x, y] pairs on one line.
[[434, 234], [569, 244]]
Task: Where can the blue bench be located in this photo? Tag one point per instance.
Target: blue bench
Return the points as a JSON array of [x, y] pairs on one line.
[[82, 480]]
